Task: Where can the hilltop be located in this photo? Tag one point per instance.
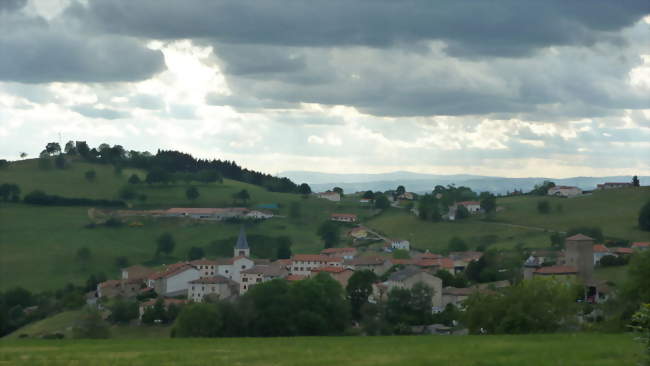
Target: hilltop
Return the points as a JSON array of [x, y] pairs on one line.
[[420, 183]]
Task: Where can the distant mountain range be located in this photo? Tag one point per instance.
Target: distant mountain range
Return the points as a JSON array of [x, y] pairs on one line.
[[420, 183]]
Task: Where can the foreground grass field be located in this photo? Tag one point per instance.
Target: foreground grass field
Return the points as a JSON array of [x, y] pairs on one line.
[[553, 349]]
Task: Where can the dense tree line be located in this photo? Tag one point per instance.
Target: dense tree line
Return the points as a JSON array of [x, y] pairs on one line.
[[535, 306], [41, 198], [315, 306], [169, 166]]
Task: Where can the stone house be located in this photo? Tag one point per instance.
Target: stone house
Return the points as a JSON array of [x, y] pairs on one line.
[[216, 286], [302, 264], [564, 191], [345, 253], [343, 217], [127, 288], [136, 272], [261, 274], [377, 264], [410, 276], [174, 282]]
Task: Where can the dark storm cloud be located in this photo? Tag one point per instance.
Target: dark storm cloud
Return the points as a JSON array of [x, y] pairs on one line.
[[504, 28], [12, 5], [35, 51]]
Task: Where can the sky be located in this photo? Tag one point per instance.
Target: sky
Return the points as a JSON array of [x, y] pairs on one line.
[[511, 88]]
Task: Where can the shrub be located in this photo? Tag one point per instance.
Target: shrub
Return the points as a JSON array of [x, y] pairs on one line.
[[41, 198]]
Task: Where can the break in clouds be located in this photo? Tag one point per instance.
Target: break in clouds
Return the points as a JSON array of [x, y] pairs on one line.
[[494, 87]]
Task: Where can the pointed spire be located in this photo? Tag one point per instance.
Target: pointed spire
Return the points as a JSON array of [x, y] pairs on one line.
[[242, 242]]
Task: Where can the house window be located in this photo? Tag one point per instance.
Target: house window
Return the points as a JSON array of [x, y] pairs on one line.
[[245, 279], [243, 267], [226, 271], [259, 280]]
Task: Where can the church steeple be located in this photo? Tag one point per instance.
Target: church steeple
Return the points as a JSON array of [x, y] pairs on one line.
[[241, 248]]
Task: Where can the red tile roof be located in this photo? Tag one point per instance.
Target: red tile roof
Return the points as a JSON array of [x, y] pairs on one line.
[[314, 258], [330, 269], [352, 216], [580, 237], [623, 250], [171, 270], [211, 280], [600, 248], [641, 244], [559, 270], [337, 250]]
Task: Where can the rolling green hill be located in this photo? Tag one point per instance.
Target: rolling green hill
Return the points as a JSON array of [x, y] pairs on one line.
[[549, 349], [518, 221], [38, 243]]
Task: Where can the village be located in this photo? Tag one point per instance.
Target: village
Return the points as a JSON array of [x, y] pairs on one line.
[[228, 278]]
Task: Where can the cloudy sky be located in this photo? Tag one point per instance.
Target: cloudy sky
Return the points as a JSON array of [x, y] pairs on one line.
[[511, 87]]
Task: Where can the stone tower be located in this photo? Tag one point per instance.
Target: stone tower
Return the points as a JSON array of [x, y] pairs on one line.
[[580, 254], [241, 248]]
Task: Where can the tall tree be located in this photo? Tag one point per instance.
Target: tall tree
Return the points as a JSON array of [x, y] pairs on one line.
[[644, 217], [488, 202], [70, 148], [635, 181], [400, 190], [53, 148], [165, 244], [304, 189], [338, 190], [359, 288], [192, 193], [330, 232], [382, 202]]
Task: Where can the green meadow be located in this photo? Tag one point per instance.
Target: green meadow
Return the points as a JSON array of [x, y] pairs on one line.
[[38, 243], [551, 349]]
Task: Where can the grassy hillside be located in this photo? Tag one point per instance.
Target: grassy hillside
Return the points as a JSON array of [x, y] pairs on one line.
[[552, 349], [38, 243], [64, 322], [614, 211], [398, 223]]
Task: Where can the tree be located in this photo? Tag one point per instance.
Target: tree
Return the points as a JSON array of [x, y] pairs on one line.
[[44, 161], [127, 193], [400, 190], [557, 240], [53, 148], [70, 149], [488, 202], [641, 324], [370, 195], [304, 189], [382, 202], [90, 175], [192, 193], [23, 155], [156, 313], [534, 306], [461, 212], [165, 244], [91, 325], [637, 287], [635, 181], [295, 210], [542, 189], [338, 190], [195, 253], [123, 311], [543, 207], [198, 320], [242, 196], [457, 244], [10, 192], [330, 232], [283, 247], [121, 262], [359, 288], [134, 179], [4, 163], [644, 217]]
